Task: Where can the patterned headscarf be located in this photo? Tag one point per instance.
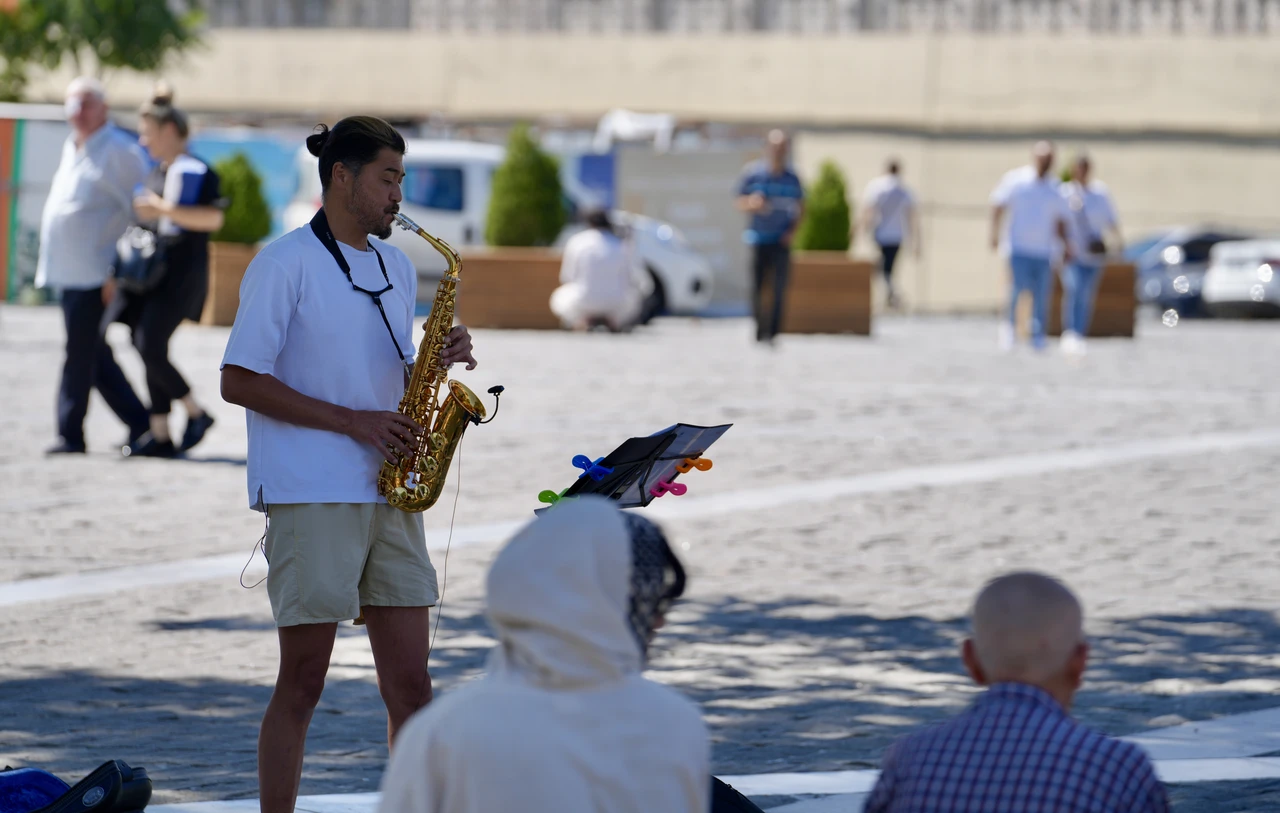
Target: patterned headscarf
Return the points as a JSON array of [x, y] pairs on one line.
[[657, 578]]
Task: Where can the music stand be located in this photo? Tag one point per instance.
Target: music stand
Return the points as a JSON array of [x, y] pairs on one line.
[[642, 469]]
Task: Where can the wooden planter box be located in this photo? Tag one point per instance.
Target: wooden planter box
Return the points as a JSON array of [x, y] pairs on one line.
[[829, 293], [227, 264], [507, 288], [1113, 310]]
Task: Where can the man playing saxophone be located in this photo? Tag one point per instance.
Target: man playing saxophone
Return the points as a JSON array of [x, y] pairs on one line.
[[318, 358]]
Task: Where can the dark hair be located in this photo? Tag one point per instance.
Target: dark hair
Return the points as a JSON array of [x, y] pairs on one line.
[[354, 142], [161, 110], [893, 166], [598, 218]]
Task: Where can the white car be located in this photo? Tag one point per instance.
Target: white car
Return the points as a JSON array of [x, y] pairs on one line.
[[446, 192], [1243, 278]]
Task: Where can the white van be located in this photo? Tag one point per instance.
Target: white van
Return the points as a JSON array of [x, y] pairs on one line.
[[446, 192], [1243, 278]]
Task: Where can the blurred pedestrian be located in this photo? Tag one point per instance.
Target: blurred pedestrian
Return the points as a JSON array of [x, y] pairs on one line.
[[88, 208], [1036, 228], [182, 204], [1093, 219], [771, 193], [601, 278], [563, 719], [889, 213], [1016, 749]]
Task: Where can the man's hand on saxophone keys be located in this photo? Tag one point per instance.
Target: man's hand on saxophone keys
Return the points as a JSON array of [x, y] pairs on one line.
[[457, 347], [391, 433]]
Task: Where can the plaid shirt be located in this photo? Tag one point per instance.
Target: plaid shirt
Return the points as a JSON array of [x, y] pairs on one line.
[[1015, 749]]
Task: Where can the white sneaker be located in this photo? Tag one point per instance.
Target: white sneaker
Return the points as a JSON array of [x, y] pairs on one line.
[[1004, 338], [1072, 343]]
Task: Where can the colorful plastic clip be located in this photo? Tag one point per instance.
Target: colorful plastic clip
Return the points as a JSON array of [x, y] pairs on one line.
[[691, 463], [550, 497], [663, 488], [595, 470]]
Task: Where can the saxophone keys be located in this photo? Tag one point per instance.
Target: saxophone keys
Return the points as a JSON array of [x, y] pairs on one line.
[[437, 440], [430, 467]]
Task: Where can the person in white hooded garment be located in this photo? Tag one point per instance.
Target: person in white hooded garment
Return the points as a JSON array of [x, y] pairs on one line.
[[563, 721], [601, 278]]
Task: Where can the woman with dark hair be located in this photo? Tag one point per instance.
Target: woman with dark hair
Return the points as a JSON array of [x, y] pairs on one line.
[[181, 203]]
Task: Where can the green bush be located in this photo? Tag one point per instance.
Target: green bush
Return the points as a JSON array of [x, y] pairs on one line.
[[248, 218], [525, 208], [827, 217]]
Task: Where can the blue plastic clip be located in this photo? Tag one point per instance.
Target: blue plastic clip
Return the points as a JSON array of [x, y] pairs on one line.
[[595, 470]]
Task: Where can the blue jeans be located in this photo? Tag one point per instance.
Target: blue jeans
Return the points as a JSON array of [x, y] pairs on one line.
[[1079, 288], [1035, 275]]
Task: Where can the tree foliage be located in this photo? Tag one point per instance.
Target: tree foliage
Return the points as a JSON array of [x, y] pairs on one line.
[[248, 218], [827, 217], [97, 35], [525, 207]]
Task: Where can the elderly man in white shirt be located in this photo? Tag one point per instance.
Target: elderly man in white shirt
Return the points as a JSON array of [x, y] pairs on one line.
[[90, 204], [1036, 228], [1093, 218]]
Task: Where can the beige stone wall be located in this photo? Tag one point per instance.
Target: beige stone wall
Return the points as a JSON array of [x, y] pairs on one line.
[[995, 82], [1182, 128]]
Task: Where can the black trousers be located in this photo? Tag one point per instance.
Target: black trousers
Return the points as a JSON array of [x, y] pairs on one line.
[[157, 319], [888, 258], [90, 363], [771, 270]]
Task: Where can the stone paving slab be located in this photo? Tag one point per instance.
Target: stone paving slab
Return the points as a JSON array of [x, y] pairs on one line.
[[813, 635]]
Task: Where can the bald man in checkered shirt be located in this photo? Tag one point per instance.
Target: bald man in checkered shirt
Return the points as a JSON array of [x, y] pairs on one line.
[[1016, 749]]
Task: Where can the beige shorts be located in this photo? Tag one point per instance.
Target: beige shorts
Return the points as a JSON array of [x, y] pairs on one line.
[[327, 560]]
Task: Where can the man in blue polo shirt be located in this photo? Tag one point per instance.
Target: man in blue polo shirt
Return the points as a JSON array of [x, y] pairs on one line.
[[771, 193]]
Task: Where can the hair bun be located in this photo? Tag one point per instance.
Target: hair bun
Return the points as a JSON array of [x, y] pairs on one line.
[[162, 95], [316, 141]]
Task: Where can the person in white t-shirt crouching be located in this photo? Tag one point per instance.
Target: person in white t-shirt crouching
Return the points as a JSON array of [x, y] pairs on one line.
[[601, 279], [1093, 218], [1036, 228], [319, 357]]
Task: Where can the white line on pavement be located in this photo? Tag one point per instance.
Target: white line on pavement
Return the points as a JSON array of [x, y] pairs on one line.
[[754, 499]]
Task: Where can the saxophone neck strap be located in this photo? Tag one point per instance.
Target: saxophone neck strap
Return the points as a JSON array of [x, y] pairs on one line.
[[320, 225]]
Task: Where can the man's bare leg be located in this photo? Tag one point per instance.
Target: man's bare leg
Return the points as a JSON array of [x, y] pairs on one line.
[[304, 661], [399, 638]]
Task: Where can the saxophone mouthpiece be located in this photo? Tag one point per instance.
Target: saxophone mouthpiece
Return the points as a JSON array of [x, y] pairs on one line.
[[405, 223]]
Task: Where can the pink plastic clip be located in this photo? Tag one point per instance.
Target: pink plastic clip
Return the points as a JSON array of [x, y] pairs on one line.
[[663, 488]]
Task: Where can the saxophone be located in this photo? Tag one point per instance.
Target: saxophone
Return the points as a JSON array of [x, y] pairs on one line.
[[413, 483]]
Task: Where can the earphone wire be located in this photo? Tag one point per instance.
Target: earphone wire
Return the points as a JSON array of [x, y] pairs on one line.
[[444, 573]]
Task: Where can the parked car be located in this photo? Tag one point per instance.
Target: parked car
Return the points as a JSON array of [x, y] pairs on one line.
[[1243, 278], [1171, 264], [446, 191]]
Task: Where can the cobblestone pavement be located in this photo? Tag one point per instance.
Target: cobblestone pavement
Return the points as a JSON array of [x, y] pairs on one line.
[[814, 633]]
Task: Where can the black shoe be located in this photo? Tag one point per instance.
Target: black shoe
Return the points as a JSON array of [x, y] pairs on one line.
[[196, 427], [135, 435], [63, 447], [148, 446]]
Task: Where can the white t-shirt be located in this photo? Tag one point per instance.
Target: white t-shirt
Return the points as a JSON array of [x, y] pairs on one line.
[[604, 268], [300, 321], [1033, 208], [1092, 215], [892, 202]]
